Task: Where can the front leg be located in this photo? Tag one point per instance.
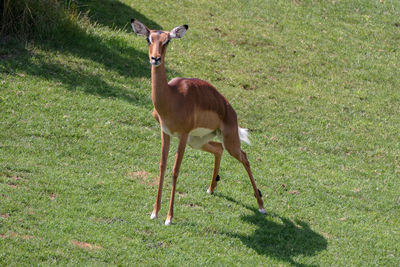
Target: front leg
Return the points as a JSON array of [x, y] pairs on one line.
[[165, 141], [179, 156]]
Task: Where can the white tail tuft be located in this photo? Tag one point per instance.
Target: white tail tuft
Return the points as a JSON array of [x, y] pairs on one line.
[[244, 135]]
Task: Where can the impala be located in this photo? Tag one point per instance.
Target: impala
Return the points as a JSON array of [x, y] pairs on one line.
[[195, 112]]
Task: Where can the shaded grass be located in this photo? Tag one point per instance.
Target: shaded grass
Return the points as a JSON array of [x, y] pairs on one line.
[[315, 82], [26, 19]]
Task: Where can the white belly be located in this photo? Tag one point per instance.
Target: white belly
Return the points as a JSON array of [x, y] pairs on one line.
[[200, 132], [200, 136], [197, 137]]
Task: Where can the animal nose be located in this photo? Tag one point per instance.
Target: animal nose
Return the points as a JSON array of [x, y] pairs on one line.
[[156, 59]]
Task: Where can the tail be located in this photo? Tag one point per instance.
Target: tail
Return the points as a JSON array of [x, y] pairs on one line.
[[244, 135]]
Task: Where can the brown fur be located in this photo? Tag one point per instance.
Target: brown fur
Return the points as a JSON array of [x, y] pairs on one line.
[[183, 105]]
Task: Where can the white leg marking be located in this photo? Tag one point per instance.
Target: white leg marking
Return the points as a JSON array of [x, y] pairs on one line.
[[262, 211], [153, 216], [168, 222], [209, 191]]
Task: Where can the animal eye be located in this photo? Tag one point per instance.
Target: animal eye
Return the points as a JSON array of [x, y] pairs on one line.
[[148, 40]]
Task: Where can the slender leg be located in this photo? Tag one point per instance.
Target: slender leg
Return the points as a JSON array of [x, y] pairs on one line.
[[217, 149], [246, 165], [232, 144], [178, 160], [165, 141]]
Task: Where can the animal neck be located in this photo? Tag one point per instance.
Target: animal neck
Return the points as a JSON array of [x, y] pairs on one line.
[[160, 89]]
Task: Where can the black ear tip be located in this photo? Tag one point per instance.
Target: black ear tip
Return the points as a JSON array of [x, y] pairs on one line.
[[186, 26], [132, 20]]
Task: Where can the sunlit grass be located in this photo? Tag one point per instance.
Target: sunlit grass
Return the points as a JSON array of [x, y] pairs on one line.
[[316, 82]]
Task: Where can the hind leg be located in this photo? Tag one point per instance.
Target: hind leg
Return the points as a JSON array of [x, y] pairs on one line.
[[216, 149], [257, 192], [232, 145]]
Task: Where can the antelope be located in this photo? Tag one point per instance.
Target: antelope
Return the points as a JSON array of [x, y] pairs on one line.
[[195, 112]]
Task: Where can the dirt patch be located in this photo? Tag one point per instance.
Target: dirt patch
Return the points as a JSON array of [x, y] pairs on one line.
[[192, 205], [249, 87], [52, 196], [141, 174], [143, 177], [25, 237], [273, 138], [156, 245], [15, 235], [4, 216], [17, 176], [108, 220], [181, 194], [297, 2], [86, 245], [326, 235]]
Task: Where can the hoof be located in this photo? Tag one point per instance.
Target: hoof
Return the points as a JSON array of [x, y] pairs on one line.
[[153, 216], [262, 211], [209, 191], [168, 222]]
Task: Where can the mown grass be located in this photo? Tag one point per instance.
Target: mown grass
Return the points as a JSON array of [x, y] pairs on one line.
[[316, 82]]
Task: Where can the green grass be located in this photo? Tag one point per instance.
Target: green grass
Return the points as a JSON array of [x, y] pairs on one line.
[[316, 82]]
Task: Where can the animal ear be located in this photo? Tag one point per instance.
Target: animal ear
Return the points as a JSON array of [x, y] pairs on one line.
[[140, 28], [179, 31]]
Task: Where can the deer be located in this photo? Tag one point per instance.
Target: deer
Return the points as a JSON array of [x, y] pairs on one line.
[[193, 111]]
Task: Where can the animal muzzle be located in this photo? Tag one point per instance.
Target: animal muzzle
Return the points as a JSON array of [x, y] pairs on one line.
[[155, 61]]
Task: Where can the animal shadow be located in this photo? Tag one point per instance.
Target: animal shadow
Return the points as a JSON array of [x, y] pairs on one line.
[[279, 237]]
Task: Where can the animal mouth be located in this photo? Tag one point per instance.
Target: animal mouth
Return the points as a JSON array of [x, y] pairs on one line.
[[155, 63]]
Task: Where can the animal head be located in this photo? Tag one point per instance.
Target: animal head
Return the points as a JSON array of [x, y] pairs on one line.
[[157, 40]]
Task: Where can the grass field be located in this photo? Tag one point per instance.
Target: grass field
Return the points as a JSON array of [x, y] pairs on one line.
[[316, 82]]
